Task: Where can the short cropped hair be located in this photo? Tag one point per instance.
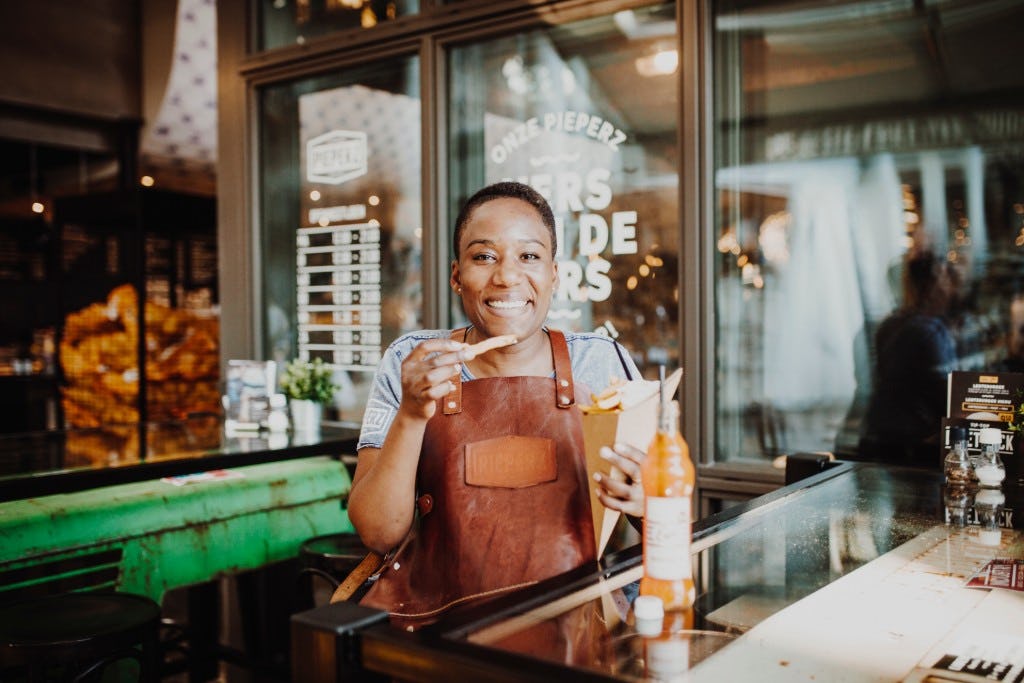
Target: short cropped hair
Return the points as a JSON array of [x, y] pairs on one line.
[[502, 190]]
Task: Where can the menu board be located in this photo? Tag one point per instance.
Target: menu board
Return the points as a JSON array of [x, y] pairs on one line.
[[991, 396], [339, 297], [357, 245], [976, 400]]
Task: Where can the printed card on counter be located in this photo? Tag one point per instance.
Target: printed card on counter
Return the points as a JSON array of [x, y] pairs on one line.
[[976, 657], [988, 396], [196, 477], [999, 573]]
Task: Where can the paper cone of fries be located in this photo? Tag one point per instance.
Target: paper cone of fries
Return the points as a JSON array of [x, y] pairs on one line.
[[626, 412]]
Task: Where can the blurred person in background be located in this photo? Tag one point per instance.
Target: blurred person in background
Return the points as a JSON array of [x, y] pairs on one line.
[[914, 352]]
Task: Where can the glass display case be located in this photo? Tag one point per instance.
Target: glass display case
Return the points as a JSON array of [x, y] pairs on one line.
[[137, 338], [857, 572]]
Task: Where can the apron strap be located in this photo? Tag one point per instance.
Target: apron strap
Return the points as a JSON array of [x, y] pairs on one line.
[[565, 394]]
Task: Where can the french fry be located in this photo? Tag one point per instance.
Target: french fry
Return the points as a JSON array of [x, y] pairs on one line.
[[489, 344]]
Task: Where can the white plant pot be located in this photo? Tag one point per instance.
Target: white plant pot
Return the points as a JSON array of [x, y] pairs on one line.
[[306, 416]]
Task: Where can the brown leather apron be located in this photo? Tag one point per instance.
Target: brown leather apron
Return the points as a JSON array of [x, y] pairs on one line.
[[503, 498]]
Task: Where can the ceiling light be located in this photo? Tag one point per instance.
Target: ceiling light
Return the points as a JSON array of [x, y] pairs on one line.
[[660, 63]]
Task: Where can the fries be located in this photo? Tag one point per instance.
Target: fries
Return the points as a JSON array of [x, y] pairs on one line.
[[489, 344], [620, 395]]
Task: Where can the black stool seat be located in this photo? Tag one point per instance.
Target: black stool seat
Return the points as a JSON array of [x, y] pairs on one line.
[[331, 557], [83, 631], [336, 554]]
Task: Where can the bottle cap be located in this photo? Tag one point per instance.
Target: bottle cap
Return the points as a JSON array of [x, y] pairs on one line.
[[649, 612], [648, 607], [990, 436], [957, 434]]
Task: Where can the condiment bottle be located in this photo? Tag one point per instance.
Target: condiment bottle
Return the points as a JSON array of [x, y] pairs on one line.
[[957, 466], [668, 479], [667, 655], [989, 469], [666, 640], [988, 504], [957, 499], [277, 420]]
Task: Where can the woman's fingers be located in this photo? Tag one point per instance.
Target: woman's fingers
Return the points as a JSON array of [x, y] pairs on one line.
[[617, 494], [427, 373], [627, 458], [436, 352]]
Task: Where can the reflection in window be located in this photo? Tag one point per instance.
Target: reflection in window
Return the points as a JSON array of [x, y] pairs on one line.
[[852, 143], [287, 22], [341, 217], [586, 114]]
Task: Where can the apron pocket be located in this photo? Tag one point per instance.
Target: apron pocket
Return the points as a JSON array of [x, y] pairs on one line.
[[511, 462]]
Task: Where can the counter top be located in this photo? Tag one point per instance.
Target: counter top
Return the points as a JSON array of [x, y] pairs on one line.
[[857, 574], [44, 463]]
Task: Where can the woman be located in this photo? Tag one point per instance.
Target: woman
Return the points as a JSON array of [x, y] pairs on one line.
[[486, 448]]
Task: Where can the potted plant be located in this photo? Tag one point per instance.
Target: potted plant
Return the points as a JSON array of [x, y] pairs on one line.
[[308, 385]]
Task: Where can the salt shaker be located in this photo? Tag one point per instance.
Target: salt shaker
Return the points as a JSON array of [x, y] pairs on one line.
[[988, 504], [277, 420], [990, 470]]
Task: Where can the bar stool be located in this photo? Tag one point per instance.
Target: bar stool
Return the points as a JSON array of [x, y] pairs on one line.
[[330, 558], [74, 636]]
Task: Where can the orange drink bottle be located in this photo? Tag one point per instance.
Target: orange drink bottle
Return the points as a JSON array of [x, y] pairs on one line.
[[668, 479]]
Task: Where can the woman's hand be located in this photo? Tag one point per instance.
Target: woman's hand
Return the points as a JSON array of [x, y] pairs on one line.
[[625, 496], [426, 376]]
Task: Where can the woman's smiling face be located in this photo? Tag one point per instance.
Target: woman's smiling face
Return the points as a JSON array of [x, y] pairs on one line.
[[505, 272]]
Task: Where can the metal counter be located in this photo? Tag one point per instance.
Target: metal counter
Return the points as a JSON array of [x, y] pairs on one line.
[[150, 537]]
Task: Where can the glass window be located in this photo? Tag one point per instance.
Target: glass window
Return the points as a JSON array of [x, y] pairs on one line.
[[287, 22], [870, 227], [341, 217], [586, 114]]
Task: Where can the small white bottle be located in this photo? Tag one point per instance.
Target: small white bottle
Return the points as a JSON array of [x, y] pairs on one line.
[[988, 505], [990, 470], [649, 613], [277, 420]]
